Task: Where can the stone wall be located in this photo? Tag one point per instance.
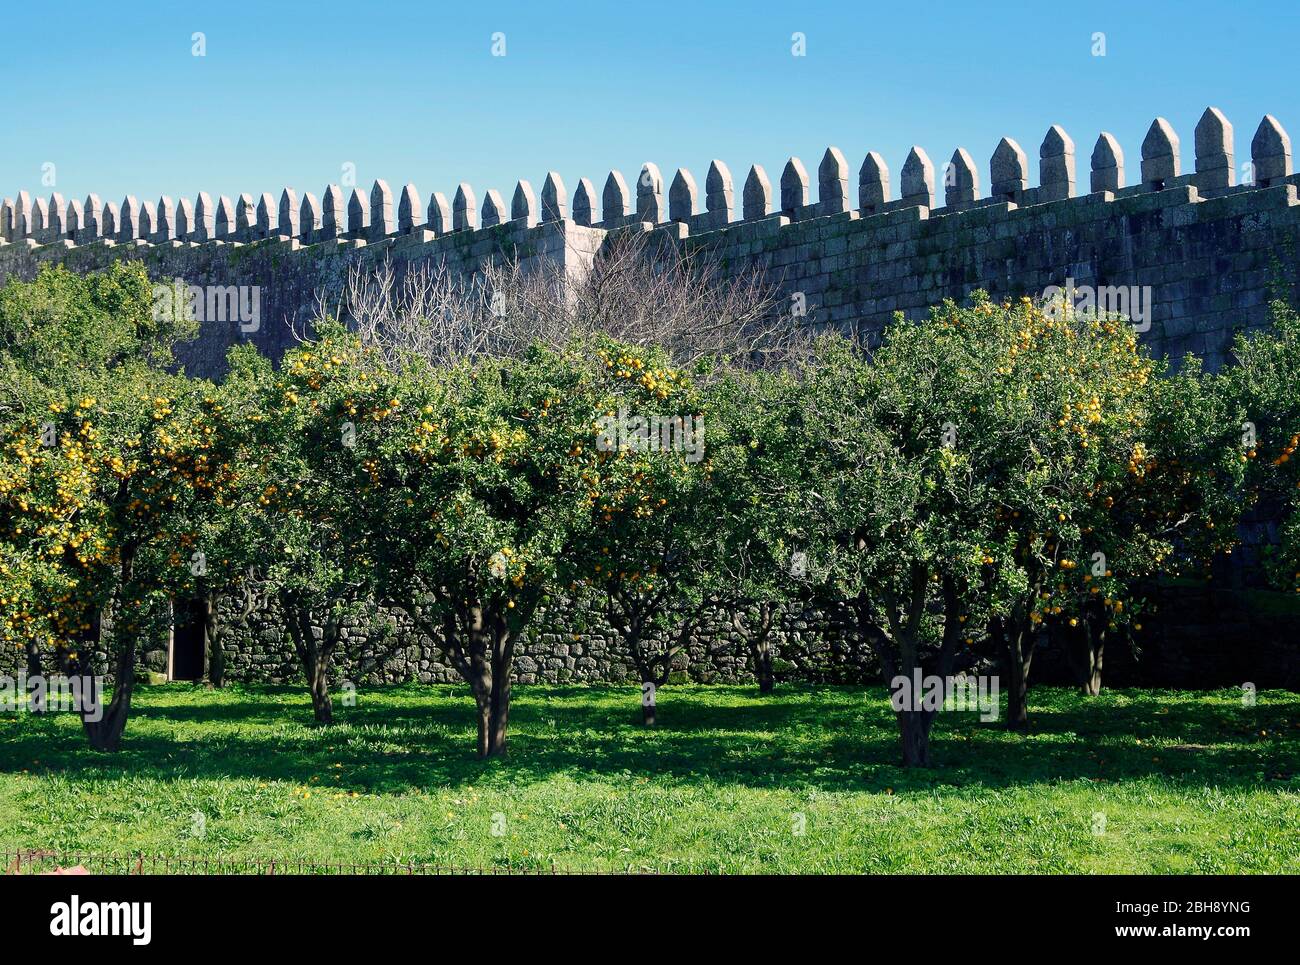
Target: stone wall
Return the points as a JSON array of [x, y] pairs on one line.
[[1202, 253], [565, 645], [1202, 636]]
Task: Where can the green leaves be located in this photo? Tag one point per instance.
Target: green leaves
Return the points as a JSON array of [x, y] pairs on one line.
[[1264, 388]]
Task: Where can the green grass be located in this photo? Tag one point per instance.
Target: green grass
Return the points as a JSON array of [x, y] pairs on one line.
[[1188, 782]]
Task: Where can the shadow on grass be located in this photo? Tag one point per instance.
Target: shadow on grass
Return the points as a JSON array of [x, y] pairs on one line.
[[824, 737]]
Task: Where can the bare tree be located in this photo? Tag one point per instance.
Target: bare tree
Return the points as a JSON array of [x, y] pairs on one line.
[[637, 289]]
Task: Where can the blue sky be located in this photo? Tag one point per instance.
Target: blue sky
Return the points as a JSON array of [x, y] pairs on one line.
[[110, 94]]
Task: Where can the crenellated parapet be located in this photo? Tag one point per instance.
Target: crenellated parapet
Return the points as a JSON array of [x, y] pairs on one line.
[[897, 244]]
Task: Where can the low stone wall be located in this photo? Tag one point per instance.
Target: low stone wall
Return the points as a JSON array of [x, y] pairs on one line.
[[1202, 636], [388, 649]]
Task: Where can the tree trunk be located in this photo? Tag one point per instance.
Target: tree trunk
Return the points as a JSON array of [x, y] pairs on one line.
[[914, 724], [503, 652], [37, 703], [649, 700], [479, 642], [759, 641], [483, 704], [1018, 660], [1086, 648], [105, 732], [33, 659], [214, 655], [914, 733], [763, 669], [900, 656], [314, 655], [322, 704], [645, 666], [1096, 650], [104, 726], [491, 639]]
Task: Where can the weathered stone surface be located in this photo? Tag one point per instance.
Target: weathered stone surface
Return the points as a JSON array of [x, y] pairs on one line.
[[1197, 638], [23, 215], [1056, 166], [358, 215], [58, 217], [523, 205], [584, 203], [961, 183], [148, 221], [1008, 171], [917, 180], [205, 217], [614, 200], [873, 183], [245, 218], [439, 214], [129, 219], [650, 194], [1159, 154], [288, 215], [382, 217], [833, 182], [310, 219], [185, 220], [334, 215], [555, 199], [1214, 155], [757, 198], [93, 211], [463, 208], [794, 186], [494, 208], [410, 212], [165, 221], [40, 220], [719, 193], [111, 219], [76, 220], [1107, 164], [1270, 152], [681, 196], [1205, 257]]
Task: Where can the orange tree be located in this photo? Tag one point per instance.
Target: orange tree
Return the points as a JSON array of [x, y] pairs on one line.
[[646, 482], [99, 503], [476, 496], [1165, 511], [1095, 473], [59, 334], [106, 464], [876, 506], [756, 561], [52, 554], [295, 520], [1265, 385], [994, 470]]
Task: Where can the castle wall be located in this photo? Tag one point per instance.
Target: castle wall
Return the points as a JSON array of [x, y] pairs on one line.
[[1195, 254]]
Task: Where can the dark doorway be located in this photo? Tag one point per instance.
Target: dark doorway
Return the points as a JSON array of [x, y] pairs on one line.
[[186, 659]]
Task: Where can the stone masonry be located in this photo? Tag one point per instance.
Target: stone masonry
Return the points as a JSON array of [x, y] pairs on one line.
[[1200, 254]]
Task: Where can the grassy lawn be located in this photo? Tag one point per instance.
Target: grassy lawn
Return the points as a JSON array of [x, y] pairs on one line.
[[1188, 782]]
